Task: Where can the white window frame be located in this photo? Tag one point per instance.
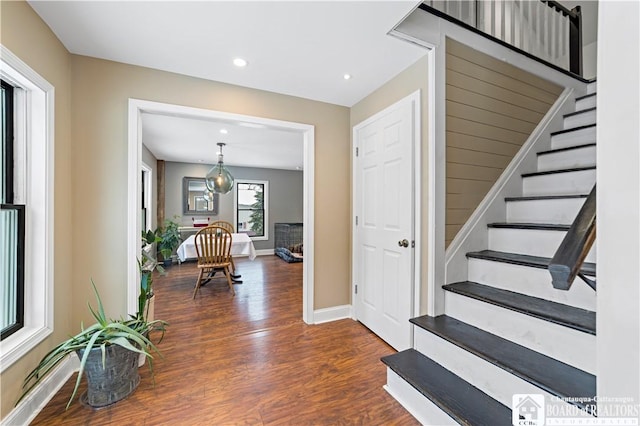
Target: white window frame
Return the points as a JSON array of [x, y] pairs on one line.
[[264, 237], [34, 187]]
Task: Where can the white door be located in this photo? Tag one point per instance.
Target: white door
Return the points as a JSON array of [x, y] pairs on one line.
[[383, 235]]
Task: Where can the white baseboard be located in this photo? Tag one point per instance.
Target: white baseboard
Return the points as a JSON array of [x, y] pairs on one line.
[[263, 252], [332, 314], [32, 404]]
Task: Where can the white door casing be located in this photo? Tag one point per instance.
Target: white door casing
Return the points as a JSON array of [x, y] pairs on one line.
[[384, 208], [136, 108]]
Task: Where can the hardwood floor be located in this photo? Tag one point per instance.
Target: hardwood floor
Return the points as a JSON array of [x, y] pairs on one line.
[[248, 359]]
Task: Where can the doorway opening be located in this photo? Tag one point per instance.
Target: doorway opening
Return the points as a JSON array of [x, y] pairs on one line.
[[139, 107]]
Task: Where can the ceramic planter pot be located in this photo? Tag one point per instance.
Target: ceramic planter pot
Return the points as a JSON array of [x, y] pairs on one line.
[[117, 380]]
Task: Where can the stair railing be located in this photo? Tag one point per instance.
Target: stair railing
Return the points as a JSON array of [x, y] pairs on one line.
[[568, 259], [542, 29]]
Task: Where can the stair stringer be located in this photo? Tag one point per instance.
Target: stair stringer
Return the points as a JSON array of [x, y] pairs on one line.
[[473, 236]]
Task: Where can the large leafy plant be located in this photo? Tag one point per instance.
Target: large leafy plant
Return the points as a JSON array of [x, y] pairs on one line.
[[131, 334]]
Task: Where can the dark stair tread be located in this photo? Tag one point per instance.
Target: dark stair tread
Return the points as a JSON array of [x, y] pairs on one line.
[[551, 172], [579, 112], [557, 313], [579, 98], [551, 375], [573, 129], [588, 268], [534, 226], [569, 148], [546, 197], [462, 401]]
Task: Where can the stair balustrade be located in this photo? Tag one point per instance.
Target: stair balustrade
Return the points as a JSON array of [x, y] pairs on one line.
[[543, 29], [567, 262]]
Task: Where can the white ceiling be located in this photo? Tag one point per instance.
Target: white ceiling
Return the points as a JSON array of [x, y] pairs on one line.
[[298, 48], [193, 140]]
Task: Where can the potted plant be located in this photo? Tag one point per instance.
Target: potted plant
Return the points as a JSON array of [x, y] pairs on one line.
[[109, 352], [169, 240], [146, 265]]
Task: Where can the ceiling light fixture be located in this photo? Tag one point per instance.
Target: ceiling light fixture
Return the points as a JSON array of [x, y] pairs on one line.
[[347, 76], [239, 62], [219, 179]]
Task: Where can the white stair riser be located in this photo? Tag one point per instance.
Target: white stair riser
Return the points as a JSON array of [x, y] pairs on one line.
[[419, 406], [582, 119], [562, 211], [562, 343], [535, 282], [568, 183], [533, 242], [489, 378], [579, 157], [578, 137], [591, 87], [586, 103]]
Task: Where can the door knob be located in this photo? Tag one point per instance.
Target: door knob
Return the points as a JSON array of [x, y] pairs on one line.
[[403, 243]]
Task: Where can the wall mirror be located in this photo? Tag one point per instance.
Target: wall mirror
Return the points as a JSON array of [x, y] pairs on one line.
[[195, 197]]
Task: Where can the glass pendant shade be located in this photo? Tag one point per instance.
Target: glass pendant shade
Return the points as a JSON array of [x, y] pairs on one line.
[[219, 179]]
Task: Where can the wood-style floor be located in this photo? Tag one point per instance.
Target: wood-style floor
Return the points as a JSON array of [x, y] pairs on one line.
[[248, 359]]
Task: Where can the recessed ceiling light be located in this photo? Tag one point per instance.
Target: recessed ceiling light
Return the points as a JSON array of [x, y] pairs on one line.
[[239, 62], [224, 131], [347, 76]]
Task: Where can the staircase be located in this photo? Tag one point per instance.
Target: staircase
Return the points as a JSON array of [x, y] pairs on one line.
[[506, 330]]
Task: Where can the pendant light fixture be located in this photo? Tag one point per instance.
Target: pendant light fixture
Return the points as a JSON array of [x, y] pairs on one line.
[[219, 179]]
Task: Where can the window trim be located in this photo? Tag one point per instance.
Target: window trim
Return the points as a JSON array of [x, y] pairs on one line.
[[19, 323], [34, 140], [264, 237], [8, 166]]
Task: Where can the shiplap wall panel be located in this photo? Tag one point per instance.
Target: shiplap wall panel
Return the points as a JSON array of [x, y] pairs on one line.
[[487, 131], [455, 94], [460, 201], [492, 108], [473, 85], [465, 52], [476, 158], [474, 143], [489, 174], [491, 118], [501, 80]]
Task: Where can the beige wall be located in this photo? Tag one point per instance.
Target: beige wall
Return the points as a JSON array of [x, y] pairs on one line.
[[413, 78], [91, 172], [30, 39], [492, 108]]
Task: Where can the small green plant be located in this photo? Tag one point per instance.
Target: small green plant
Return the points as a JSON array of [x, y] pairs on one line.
[[169, 238], [130, 334]]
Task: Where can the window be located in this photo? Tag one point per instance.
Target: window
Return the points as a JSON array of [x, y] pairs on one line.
[[11, 229], [26, 218], [252, 208]]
